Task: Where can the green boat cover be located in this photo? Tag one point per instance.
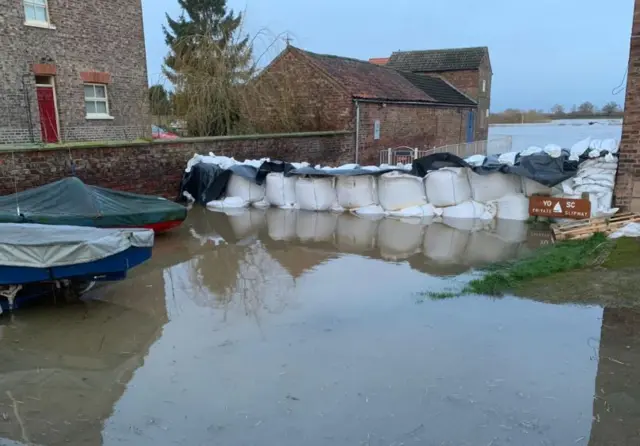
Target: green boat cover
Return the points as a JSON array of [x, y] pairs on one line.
[[71, 202]]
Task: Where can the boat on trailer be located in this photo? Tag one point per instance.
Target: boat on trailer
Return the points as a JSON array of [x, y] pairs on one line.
[[71, 202], [37, 259]]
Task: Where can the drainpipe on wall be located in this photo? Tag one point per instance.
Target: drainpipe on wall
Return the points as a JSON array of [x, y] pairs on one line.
[[357, 131]]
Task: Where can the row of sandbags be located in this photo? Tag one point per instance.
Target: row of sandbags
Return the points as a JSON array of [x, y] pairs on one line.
[[451, 192], [448, 241]]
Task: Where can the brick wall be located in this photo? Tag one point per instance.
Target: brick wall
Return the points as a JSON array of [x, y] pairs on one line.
[[627, 191], [295, 95], [408, 125], [156, 168], [470, 83], [104, 36]]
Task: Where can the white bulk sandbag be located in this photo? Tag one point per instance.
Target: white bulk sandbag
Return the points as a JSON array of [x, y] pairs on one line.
[[531, 187], [553, 150], [469, 210], [281, 190], [228, 203], [315, 194], [476, 160], [248, 222], [448, 186], [579, 148], [485, 248], [508, 158], [531, 150], [281, 223], [355, 233], [398, 240], [629, 230], [424, 211], [595, 144], [399, 190], [513, 207], [445, 244], [247, 190], [490, 187], [356, 191], [371, 211], [609, 144], [316, 226]]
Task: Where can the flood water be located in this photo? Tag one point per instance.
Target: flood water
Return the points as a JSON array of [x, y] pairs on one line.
[[564, 132], [284, 328]]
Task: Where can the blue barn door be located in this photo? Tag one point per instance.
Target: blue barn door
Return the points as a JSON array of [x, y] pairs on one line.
[[470, 123]]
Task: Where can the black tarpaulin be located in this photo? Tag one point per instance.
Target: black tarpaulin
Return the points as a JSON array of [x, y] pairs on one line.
[[205, 183]]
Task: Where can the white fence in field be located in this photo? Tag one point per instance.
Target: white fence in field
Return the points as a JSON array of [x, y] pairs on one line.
[[406, 155]]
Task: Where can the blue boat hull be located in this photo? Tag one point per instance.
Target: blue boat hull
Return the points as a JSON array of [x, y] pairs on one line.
[[114, 267]]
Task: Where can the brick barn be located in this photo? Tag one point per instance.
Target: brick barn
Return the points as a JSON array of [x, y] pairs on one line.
[[72, 70], [385, 107], [468, 69]]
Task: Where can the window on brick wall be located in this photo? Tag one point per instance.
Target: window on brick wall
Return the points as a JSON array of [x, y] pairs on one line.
[[36, 12], [96, 101]]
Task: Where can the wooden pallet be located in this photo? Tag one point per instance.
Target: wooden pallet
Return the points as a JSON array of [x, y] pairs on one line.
[[583, 229]]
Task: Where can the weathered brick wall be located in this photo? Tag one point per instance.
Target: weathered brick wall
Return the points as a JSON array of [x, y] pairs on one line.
[[470, 83], [156, 168], [627, 191], [407, 125], [293, 94], [105, 36]]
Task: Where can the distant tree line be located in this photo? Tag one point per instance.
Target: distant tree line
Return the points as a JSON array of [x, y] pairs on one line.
[[583, 111]]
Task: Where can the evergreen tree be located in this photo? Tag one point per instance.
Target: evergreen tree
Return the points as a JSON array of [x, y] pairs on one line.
[[207, 63]]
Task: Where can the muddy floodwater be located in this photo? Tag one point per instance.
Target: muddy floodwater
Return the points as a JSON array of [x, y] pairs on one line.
[[285, 328]]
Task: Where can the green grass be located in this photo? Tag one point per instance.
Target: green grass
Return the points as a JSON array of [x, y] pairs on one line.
[[559, 258]]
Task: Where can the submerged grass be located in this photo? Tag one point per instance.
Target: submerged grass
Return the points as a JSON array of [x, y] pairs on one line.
[[562, 257]]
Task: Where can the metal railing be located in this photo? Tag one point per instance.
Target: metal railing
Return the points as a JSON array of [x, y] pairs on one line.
[[406, 155]]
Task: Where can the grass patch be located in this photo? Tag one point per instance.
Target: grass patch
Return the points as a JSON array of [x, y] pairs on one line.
[[439, 295], [559, 258]]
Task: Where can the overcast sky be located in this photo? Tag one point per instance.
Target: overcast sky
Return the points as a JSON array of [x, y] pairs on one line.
[[542, 51]]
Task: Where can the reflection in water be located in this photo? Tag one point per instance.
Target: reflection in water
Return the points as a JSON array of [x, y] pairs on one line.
[[616, 404], [290, 328], [63, 369]]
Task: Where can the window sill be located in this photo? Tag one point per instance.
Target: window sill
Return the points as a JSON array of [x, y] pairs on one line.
[[44, 25], [99, 117]]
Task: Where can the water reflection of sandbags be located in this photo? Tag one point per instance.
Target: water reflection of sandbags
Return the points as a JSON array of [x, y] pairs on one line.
[[316, 226], [512, 231], [486, 247], [354, 233], [248, 222], [466, 224], [445, 244], [282, 223], [399, 239]]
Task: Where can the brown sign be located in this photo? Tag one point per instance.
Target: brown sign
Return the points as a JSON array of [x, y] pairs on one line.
[[559, 207]]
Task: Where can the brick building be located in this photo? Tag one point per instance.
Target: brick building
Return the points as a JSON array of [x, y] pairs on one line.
[[72, 70], [385, 107], [627, 191], [468, 69]]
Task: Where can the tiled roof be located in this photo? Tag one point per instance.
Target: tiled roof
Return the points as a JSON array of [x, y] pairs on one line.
[[364, 80], [379, 60], [368, 81], [439, 89], [438, 60]]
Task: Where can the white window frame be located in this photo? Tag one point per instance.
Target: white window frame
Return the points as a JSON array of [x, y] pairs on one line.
[[37, 23], [487, 113], [484, 85], [97, 99]]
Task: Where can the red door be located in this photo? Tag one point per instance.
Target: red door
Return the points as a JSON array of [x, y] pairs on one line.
[[48, 119]]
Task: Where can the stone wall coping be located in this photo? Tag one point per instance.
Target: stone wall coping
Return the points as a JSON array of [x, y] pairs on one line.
[[163, 142]]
